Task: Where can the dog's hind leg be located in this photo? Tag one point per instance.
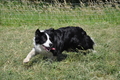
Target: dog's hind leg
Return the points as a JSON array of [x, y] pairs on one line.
[[29, 56]]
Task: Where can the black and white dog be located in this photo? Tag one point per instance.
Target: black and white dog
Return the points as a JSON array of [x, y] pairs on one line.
[[54, 42]]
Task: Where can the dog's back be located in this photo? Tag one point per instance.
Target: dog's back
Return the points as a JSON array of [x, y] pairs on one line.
[[66, 38]]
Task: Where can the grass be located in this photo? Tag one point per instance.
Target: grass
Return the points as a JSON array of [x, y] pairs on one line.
[[35, 15], [17, 26]]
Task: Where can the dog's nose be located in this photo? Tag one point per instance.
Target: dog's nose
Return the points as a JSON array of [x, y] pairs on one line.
[[50, 44]]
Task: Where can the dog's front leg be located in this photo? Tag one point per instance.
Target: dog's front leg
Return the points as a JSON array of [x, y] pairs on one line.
[[29, 56], [56, 54]]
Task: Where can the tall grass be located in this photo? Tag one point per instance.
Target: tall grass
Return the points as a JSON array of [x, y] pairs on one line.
[[17, 26], [15, 14]]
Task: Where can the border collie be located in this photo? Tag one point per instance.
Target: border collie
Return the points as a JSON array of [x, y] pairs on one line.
[[53, 42]]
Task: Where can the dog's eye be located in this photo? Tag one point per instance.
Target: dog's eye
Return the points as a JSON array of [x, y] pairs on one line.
[[44, 39]]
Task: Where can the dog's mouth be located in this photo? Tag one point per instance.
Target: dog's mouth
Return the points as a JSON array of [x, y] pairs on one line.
[[48, 48]]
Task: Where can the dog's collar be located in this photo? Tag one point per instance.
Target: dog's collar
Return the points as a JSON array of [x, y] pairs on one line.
[[53, 49]]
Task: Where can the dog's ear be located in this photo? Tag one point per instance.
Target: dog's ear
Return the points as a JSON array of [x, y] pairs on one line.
[[51, 29], [37, 32]]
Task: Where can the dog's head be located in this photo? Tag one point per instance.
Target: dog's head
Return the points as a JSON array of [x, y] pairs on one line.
[[42, 38]]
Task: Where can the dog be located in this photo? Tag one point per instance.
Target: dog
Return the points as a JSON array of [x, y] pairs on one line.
[[52, 42]]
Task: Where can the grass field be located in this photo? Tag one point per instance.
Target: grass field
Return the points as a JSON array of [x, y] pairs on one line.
[[19, 22]]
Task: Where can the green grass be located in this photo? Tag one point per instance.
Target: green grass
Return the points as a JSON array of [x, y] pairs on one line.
[[18, 15], [19, 22]]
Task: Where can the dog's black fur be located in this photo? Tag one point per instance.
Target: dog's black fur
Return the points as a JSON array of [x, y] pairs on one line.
[[69, 39]]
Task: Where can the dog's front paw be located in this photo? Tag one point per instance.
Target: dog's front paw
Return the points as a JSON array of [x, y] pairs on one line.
[[26, 60]]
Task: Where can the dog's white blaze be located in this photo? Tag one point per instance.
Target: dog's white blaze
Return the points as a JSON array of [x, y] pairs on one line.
[[48, 42]]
